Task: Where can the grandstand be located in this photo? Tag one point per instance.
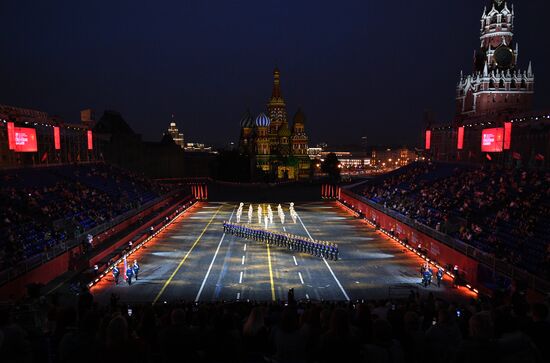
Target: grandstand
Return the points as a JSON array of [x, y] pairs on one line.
[[48, 210]]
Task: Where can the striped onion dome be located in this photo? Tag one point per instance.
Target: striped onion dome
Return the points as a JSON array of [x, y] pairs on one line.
[[247, 120], [262, 120]]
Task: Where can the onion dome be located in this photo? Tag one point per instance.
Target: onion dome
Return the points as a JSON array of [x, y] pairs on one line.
[[283, 131], [247, 121], [262, 120], [299, 117]]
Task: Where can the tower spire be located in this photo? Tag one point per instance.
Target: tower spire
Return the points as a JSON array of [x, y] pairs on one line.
[[276, 84]]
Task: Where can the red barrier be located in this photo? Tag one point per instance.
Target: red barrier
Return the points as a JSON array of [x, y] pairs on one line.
[[100, 256], [43, 274], [438, 251]]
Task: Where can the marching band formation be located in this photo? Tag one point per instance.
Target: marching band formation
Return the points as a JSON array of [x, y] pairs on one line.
[[288, 241]]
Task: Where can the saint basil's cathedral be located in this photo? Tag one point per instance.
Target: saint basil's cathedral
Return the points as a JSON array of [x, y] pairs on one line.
[[275, 147]]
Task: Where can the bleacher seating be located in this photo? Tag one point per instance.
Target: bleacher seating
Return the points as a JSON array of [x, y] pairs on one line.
[[500, 211], [41, 207]]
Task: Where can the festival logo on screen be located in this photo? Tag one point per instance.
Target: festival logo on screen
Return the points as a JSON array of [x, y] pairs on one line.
[[23, 139], [492, 140]]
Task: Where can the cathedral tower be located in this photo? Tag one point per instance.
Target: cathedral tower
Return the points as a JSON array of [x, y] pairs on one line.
[[276, 109], [299, 137], [497, 84], [246, 140]]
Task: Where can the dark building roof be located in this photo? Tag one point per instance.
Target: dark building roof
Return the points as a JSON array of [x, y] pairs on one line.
[[112, 123]]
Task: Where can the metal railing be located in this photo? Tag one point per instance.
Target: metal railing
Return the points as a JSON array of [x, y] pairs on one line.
[[62, 247], [495, 264]]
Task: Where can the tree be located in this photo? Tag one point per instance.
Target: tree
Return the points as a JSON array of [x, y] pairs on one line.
[[331, 166]]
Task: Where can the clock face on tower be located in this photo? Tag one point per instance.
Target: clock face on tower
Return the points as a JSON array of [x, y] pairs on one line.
[[504, 56]]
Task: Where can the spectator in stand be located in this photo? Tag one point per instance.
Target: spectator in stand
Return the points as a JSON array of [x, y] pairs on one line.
[[443, 339], [289, 342], [339, 343], [384, 348], [41, 208], [255, 334], [505, 211]]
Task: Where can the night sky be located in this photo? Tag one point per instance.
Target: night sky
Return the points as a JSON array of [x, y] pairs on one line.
[[356, 67]]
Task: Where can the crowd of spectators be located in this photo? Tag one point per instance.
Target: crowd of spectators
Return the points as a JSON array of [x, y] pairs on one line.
[[408, 330], [43, 207], [501, 211]]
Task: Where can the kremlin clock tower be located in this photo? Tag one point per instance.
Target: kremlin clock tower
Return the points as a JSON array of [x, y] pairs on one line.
[[497, 83]]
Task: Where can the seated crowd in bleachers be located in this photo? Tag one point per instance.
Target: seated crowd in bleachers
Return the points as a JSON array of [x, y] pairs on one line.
[[406, 330], [41, 207], [505, 212]]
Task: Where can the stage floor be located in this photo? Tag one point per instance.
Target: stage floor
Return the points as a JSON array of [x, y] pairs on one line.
[[193, 259]]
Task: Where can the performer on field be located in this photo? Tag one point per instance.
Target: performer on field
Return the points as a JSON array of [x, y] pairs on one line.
[[135, 269], [116, 274]]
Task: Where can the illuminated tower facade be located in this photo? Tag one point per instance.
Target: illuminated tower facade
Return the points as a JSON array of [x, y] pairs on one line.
[[175, 134], [497, 83], [278, 149]]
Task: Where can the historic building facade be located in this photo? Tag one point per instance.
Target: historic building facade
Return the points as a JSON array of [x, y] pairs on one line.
[[278, 149], [497, 83], [494, 119]]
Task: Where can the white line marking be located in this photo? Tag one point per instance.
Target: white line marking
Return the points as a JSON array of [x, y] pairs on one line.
[[245, 247], [284, 228], [307, 296], [212, 263], [295, 262], [241, 278], [326, 263], [238, 295], [301, 279], [242, 262]]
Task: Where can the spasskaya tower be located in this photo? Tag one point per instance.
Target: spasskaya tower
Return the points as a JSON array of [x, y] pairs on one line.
[[497, 84]]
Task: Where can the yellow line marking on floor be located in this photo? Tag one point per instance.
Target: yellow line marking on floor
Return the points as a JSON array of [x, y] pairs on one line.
[[185, 258], [270, 273]]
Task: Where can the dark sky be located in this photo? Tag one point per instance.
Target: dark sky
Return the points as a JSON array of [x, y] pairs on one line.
[[356, 67]]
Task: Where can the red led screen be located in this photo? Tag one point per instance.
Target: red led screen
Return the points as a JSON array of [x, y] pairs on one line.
[[492, 140], [90, 140], [56, 138], [507, 135], [25, 139], [428, 139], [460, 143]]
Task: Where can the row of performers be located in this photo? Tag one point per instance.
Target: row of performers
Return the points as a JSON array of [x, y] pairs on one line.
[[291, 242]]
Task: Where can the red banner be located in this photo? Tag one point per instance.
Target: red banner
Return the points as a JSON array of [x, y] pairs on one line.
[[11, 136], [507, 135], [90, 140], [56, 138], [428, 139], [460, 143]]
